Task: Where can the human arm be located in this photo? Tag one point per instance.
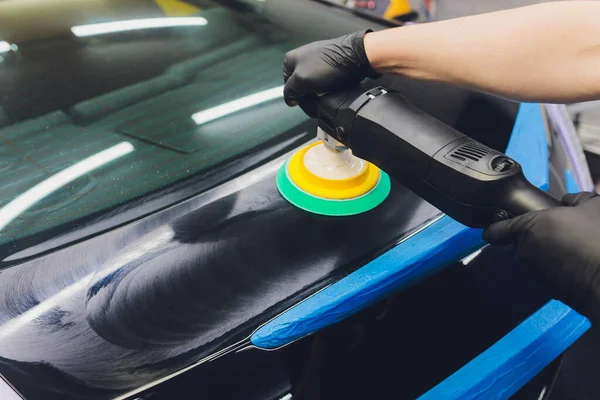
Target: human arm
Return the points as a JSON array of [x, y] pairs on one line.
[[544, 53]]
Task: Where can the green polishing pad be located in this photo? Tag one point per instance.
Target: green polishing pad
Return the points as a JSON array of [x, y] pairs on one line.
[[336, 208]]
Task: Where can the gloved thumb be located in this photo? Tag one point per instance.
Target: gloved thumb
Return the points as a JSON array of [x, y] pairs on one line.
[[507, 231]]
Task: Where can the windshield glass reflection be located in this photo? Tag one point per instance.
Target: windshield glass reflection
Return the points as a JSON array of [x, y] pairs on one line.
[[48, 186]]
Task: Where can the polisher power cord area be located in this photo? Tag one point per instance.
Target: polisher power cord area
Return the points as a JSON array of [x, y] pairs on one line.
[[363, 131]]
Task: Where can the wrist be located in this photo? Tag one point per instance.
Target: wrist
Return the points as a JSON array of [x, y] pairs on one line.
[[362, 58], [371, 50], [399, 51]]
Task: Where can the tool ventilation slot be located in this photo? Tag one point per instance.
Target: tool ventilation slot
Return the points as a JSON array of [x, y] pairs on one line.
[[469, 151]]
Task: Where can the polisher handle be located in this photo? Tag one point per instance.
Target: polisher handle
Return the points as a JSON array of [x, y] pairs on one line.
[[472, 183], [521, 197]]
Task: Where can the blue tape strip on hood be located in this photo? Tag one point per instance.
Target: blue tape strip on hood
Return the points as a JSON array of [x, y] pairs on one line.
[[528, 144], [437, 246], [514, 360], [570, 183]]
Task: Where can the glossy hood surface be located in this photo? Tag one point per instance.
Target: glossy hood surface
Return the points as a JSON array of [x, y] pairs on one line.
[[124, 309]]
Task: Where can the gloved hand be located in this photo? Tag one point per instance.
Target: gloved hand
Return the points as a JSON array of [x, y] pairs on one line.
[[560, 247], [325, 66]]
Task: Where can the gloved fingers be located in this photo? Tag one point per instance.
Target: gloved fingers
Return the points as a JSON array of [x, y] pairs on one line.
[[289, 65], [293, 91], [574, 199], [507, 231]]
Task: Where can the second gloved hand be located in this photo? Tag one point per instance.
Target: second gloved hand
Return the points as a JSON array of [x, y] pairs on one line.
[[561, 248], [325, 66]]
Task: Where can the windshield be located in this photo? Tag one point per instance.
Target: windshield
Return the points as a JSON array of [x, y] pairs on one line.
[[103, 103]]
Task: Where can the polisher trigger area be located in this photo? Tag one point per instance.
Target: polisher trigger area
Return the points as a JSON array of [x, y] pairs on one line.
[[332, 182]]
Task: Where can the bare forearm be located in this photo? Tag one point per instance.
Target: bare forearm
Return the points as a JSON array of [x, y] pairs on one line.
[[548, 52]]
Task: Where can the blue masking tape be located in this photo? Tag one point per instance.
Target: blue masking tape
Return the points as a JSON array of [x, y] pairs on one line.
[[528, 144], [570, 183], [442, 243], [514, 360], [439, 245]]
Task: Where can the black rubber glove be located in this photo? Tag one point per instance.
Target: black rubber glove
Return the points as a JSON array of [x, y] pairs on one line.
[[325, 66], [560, 247]]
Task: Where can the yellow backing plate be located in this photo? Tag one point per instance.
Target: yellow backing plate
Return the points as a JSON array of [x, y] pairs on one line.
[[339, 189]]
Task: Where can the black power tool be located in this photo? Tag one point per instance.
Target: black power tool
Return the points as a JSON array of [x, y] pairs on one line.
[[470, 182]]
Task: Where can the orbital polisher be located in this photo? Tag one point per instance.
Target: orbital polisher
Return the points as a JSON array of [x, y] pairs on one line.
[[366, 132]]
